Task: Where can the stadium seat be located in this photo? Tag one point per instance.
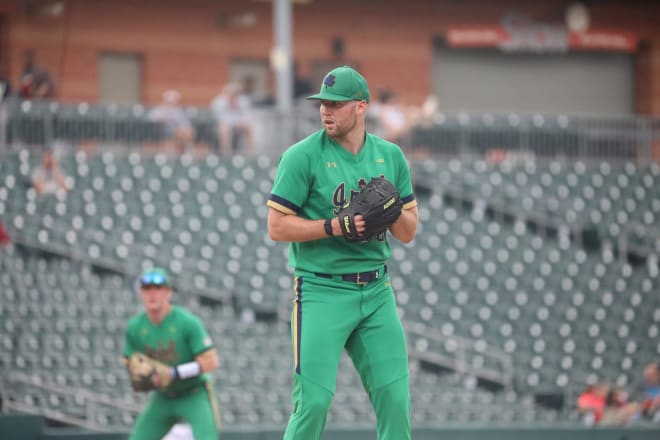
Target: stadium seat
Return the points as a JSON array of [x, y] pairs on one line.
[[562, 314]]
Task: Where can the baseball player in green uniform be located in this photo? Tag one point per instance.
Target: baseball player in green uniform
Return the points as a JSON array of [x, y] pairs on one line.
[[176, 339], [343, 298]]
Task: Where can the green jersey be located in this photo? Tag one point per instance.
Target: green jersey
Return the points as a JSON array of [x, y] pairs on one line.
[[178, 339], [316, 177]]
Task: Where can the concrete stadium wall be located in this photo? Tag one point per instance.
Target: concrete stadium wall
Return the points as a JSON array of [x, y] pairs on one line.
[[31, 427], [185, 45]]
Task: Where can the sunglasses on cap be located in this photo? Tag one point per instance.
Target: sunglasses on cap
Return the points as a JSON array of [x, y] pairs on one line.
[[153, 279]]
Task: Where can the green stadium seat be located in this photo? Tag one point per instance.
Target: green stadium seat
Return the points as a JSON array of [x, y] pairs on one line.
[[562, 314]]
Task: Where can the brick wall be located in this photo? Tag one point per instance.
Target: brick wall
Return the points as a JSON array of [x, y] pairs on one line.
[[183, 47]]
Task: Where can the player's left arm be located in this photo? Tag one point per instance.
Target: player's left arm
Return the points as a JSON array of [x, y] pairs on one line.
[[206, 356], [202, 346], [405, 227], [208, 360], [203, 363]]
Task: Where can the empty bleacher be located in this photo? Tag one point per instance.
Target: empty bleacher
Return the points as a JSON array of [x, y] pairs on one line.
[[498, 279]]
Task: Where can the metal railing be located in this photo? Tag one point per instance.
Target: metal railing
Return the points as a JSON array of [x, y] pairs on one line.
[[463, 355], [136, 252], [92, 403], [39, 124], [539, 136]]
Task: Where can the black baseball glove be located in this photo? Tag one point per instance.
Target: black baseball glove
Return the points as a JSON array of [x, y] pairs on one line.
[[378, 203]]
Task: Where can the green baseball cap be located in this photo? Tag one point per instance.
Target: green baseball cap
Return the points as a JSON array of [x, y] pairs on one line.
[[155, 277], [343, 84]]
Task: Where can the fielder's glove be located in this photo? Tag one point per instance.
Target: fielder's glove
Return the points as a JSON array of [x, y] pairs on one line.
[[142, 369], [378, 203]]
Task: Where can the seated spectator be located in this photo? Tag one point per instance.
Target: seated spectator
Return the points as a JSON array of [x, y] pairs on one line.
[[392, 118], [427, 111], [257, 96], [302, 86], [649, 394], [48, 177], [591, 403], [5, 239], [618, 410], [36, 82], [5, 87], [179, 132], [231, 110]]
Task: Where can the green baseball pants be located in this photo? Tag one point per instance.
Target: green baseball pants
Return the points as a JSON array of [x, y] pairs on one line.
[[198, 407], [330, 315]]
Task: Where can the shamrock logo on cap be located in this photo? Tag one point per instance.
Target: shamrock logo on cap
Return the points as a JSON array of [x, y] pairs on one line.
[[329, 81]]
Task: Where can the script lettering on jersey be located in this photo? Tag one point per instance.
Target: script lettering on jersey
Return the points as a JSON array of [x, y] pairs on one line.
[[339, 201], [339, 194], [166, 354]]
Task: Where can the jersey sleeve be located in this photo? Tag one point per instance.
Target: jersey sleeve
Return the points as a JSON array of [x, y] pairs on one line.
[[292, 182], [198, 337], [404, 182]]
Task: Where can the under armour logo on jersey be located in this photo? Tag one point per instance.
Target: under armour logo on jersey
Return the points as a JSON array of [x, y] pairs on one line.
[[329, 81], [331, 164]]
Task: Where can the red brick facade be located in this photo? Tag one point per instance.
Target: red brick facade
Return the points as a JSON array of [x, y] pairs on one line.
[[183, 46]]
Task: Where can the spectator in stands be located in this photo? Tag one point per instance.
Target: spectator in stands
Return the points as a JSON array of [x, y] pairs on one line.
[[48, 177], [302, 86], [591, 403], [391, 117], [618, 410], [179, 131], [252, 92], [5, 239], [231, 110], [428, 110], [5, 86], [36, 82], [649, 393]]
